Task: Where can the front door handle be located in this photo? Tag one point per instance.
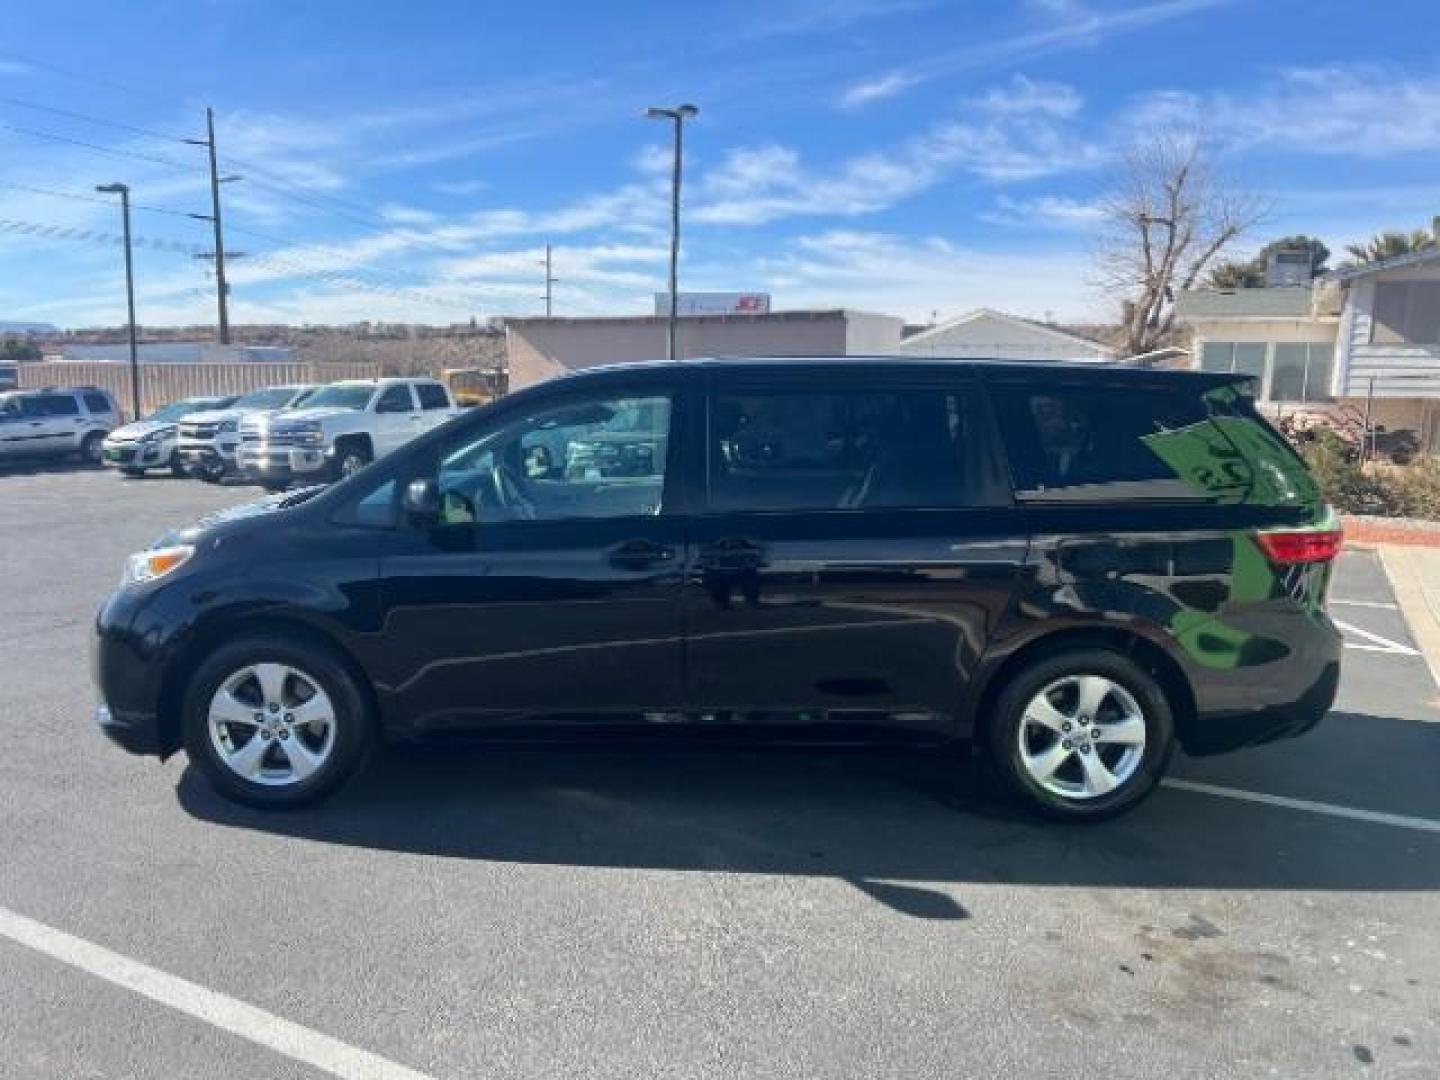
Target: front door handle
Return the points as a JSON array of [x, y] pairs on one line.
[[640, 555]]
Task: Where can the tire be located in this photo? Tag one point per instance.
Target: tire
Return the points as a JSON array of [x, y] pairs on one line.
[[350, 458], [178, 471], [91, 448], [1132, 706], [229, 684], [275, 488]]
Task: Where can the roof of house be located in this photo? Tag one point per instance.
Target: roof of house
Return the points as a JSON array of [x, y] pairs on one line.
[[1395, 262], [744, 316], [1286, 302], [1014, 320]]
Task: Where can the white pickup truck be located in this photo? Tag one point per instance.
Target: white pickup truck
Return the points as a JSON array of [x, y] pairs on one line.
[[340, 429]]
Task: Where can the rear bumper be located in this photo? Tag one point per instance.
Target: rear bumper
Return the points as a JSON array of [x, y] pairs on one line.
[[1278, 695]]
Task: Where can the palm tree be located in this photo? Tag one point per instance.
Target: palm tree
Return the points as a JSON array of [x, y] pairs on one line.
[[1387, 245]]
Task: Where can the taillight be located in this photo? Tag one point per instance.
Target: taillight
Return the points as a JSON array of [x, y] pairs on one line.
[[1290, 547]]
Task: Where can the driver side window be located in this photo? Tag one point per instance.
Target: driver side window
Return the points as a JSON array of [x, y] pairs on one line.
[[601, 457]]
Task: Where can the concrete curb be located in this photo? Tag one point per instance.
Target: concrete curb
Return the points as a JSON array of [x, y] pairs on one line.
[[1414, 574]]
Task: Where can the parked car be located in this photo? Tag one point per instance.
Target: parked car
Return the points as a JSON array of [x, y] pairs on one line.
[[340, 429], [9, 376], [208, 441], [150, 443], [56, 422], [1074, 568]]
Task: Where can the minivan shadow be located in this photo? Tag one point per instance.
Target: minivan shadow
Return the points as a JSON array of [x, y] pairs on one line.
[[890, 823]]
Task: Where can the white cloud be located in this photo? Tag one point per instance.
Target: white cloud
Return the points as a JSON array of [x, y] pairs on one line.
[[1351, 110], [876, 89], [1025, 135], [1022, 96], [915, 276], [1068, 26], [1045, 211]]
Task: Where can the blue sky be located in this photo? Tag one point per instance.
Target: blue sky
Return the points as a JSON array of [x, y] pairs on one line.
[[410, 161]]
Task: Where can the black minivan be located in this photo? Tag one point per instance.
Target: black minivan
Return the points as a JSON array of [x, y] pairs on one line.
[[1072, 567]]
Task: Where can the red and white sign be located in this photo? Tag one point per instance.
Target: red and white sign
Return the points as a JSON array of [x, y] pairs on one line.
[[714, 303]]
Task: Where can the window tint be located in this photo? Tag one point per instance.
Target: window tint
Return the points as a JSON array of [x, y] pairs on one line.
[[1114, 442], [59, 405], [395, 399], [97, 403], [432, 396], [590, 458], [848, 450]]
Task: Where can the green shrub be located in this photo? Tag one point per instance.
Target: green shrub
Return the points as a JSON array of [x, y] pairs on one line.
[[1389, 491]]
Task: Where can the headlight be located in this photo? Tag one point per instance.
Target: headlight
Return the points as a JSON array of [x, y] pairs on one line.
[[159, 436], [310, 435], [148, 565]]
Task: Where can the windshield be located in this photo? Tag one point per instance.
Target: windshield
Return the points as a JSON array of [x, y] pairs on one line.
[[340, 396], [177, 409], [274, 397]]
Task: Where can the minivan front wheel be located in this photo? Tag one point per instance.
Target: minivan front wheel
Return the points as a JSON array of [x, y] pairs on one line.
[[275, 722], [1081, 735]]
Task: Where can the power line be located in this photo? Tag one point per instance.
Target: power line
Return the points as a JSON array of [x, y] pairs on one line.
[[87, 119], [81, 197], [46, 65], [97, 148], [67, 232]]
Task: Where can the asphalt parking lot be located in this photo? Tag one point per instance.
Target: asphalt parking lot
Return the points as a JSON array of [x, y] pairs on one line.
[[634, 913]]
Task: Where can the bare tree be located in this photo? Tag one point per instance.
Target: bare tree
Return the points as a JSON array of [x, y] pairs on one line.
[[1167, 218]]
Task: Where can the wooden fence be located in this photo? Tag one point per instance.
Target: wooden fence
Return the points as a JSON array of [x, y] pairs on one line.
[[161, 384]]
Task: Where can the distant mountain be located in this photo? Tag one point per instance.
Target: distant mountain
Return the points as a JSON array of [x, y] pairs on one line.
[[27, 328]]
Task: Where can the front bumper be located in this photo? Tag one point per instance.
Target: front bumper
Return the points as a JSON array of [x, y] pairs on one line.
[[218, 457], [128, 681], [261, 461], [136, 455]]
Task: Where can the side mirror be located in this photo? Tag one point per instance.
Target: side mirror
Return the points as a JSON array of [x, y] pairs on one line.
[[421, 502]]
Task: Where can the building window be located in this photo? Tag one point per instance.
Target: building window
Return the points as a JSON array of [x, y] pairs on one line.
[[1406, 313], [1292, 372], [1301, 372], [1237, 357]]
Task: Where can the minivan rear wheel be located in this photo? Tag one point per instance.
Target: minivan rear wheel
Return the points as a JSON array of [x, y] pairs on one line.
[[275, 722], [1081, 735]]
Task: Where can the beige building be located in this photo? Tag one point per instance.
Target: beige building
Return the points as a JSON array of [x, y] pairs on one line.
[[1363, 339], [541, 349]]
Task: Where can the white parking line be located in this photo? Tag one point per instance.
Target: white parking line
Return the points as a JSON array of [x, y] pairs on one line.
[[219, 1010], [1374, 817], [1381, 644], [1381, 604]]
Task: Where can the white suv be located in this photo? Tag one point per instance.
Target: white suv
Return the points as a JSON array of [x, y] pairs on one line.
[[208, 440], [56, 422], [340, 429]]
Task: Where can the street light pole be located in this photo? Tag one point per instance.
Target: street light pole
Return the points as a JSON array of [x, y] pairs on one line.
[[124, 192], [679, 115]]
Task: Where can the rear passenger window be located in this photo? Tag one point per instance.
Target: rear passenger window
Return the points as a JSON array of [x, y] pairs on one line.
[[395, 399], [1116, 442], [848, 450], [59, 405], [97, 403], [432, 396]]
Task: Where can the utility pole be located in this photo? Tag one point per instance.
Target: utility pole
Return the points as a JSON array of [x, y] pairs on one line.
[[124, 192], [679, 115], [550, 280], [222, 290]]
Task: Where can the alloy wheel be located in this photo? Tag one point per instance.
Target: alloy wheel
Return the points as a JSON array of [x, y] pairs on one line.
[[1082, 737], [272, 724]]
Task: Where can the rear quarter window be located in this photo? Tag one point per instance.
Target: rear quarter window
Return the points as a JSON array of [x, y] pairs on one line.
[[432, 396], [1112, 441], [97, 403]]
